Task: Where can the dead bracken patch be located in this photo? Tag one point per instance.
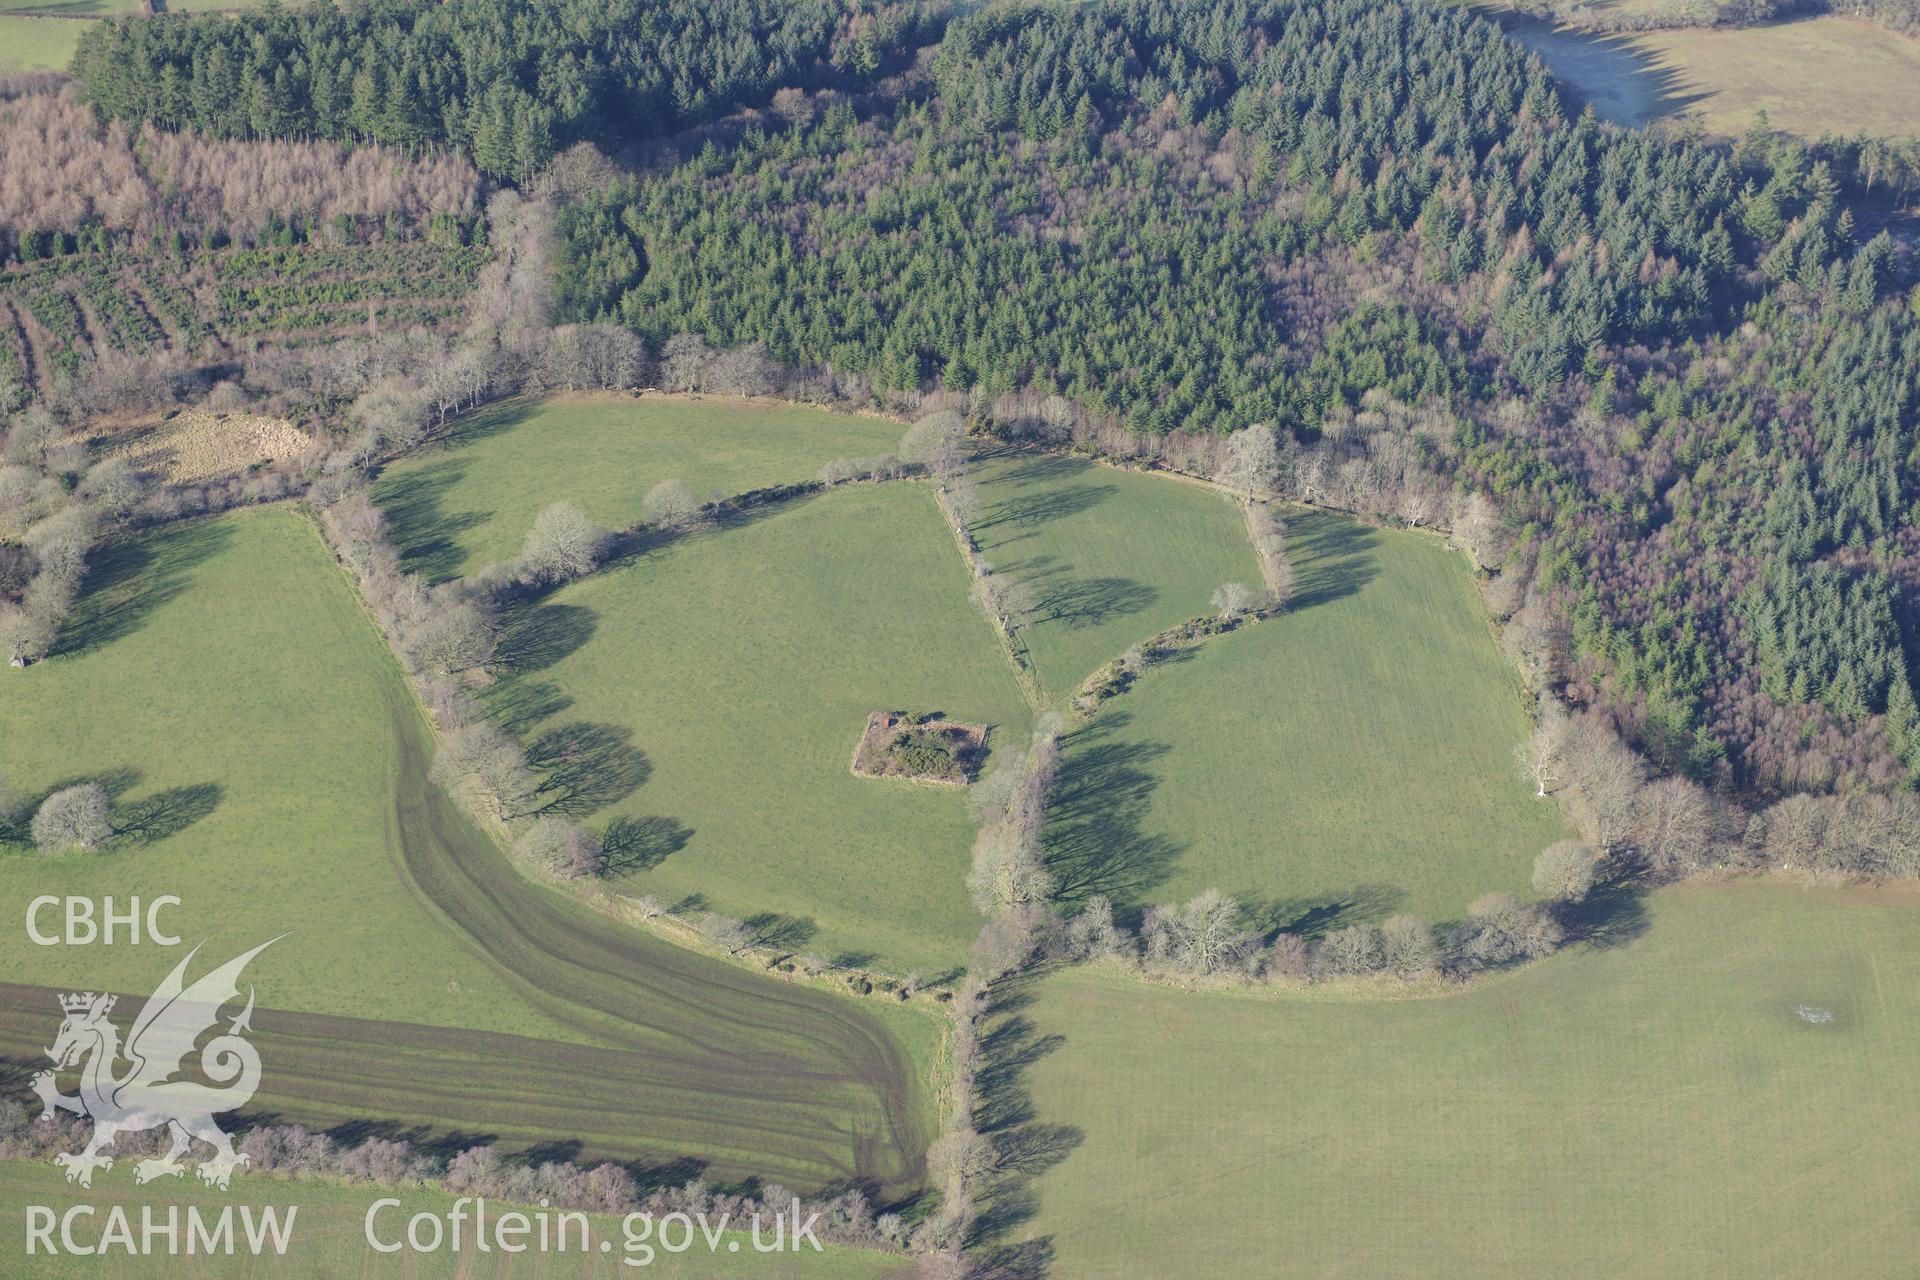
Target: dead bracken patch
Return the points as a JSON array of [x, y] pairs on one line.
[[197, 444], [921, 748]]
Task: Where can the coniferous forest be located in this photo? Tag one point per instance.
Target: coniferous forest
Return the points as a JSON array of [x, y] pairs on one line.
[[1686, 373]]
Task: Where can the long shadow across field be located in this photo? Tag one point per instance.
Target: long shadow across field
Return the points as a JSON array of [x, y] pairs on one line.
[[1096, 839], [1334, 557], [427, 534], [692, 1067], [1023, 1147], [771, 1073], [128, 578], [1621, 81]]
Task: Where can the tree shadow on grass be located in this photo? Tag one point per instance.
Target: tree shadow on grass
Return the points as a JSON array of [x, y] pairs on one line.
[[427, 534], [628, 546], [1096, 837], [585, 767], [166, 813], [641, 844], [518, 705], [781, 932], [1613, 915], [1026, 512], [1078, 602], [1334, 555], [1023, 1147], [538, 636], [1089, 602], [1315, 915], [129, 578]]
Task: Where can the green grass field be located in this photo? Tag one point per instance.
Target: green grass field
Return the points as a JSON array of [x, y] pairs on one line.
[[1658, 1109], [37, 44], [471, 501], [1350, 758], [328, 1238], [1812, 75], [78, 8], [1113, 556], [743, 662], [229, 683], [272, 773]]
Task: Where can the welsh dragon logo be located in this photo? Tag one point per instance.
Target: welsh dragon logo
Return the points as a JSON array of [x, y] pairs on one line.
[[146, 1095]]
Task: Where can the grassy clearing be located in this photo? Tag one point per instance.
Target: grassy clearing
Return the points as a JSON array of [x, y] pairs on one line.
[[1114, 557], [471, 502], [229, 687], [278, 777], [76, 8], [37, 44], [1814, 75], [328, 1237], [743, 662], [1346, 760], [1658, 1109]]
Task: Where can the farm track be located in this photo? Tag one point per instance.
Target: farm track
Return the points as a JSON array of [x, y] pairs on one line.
[[707, 1069]]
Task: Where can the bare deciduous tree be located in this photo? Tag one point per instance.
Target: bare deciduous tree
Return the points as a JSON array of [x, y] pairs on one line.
[[671, 504], [1289, 957], [937, 442], [1231, 599], [557, 847], [72, 818], [563, 544], [481, 764], [459, 637], [1608, 777], [1566, 871], [1501, 930], [1092, 934], [1408, 947], [1795, 828], [1252, 464], [683, 361], [1352, 952], [1481, 531], [1204, 935], [1541, 758], [730, 935], [744, 371], [1676, 831]]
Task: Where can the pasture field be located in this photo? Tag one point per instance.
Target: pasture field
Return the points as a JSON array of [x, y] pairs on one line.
[[37, 44], [470, 502], [1348, 759], [741, 664], [1113, 556], [1731, 1093], [271, 771], [329, 1237], [73, 8], [221, 676], [1812, 75]]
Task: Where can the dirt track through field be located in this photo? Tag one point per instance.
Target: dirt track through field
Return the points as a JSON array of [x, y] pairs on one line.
[[712, 1069]]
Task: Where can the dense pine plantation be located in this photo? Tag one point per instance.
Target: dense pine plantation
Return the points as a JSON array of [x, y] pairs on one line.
[[507, 83], [1154, 208], [903, 553]]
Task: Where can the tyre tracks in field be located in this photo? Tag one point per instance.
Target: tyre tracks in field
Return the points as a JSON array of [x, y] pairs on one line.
[[697, 1067]]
